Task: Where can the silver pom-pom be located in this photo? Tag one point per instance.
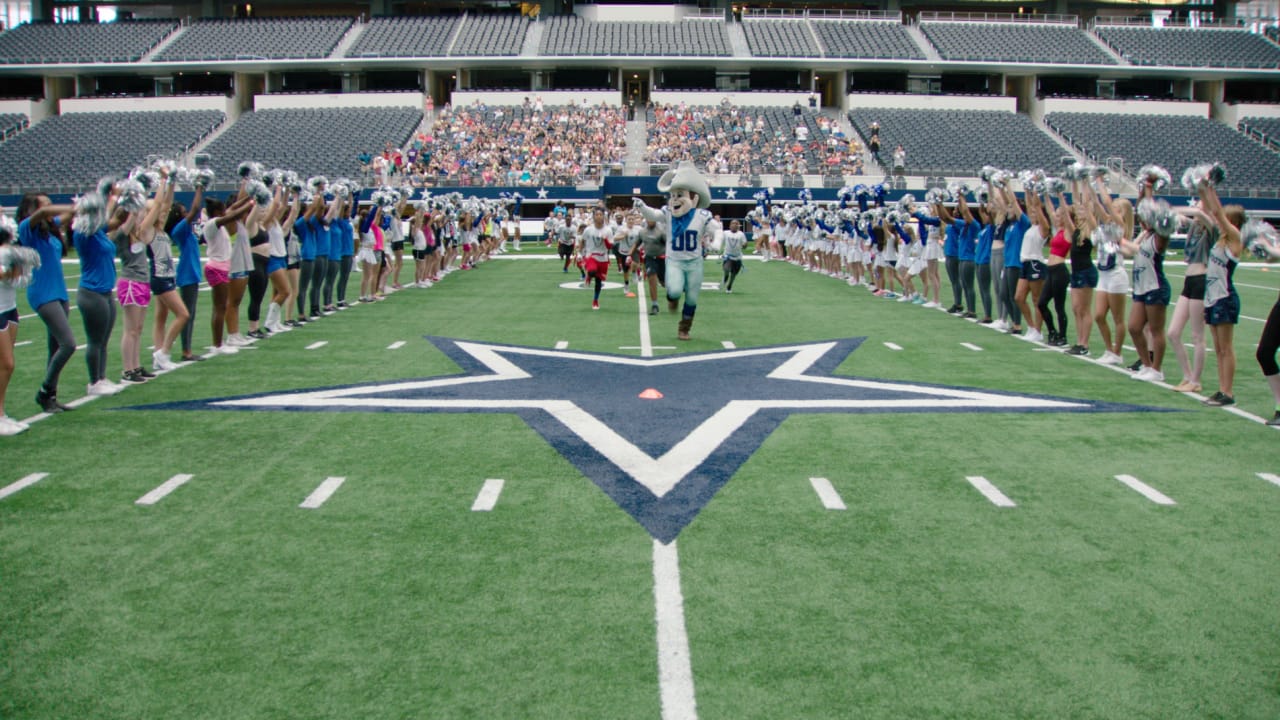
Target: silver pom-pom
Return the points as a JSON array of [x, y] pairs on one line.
[[133, 196], [24, 259], [982, 194], [1157, 215], [148, 179], [1158, 176], [202, 178], [318, 183], [89, 214], [1055, 186], [293, 181], [106, 185], [987, 172], [181, 175], [1211, 173], [906, 203], [935, 196], [259, 192], [250, 170], [1258, 235], [1001, 178], [8, 229]]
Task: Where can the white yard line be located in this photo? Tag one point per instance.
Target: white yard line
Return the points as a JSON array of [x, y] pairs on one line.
[[827, 494], [1146, 490], [322, 493], [728, 345], [1271, 478], [25, 482], [893, 346], [562, 344], [163, 489], [317, 345], [646, 339], [991, 492], [396, 345], [971, 346], [675, 669], [488, 496]]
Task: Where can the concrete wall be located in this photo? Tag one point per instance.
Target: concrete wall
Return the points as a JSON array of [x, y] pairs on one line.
[[1232, 114], [932, 102], [282, 101], [549, 97], [713, 97], [631, 13], [1127, 107], [201, 102]]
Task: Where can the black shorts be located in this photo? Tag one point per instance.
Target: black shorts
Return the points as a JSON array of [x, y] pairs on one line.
[[732, 266], [397, 246], [656, 267], [564, 250], [1032, 270], [421, 254], [160, 286], [293, 266], [1159, 296], [1193, 287], [7, 317]]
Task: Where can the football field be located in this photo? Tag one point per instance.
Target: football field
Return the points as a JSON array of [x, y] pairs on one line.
[[487, 500]]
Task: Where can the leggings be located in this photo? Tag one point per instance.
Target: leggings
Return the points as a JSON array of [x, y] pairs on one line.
[[1270, 342], [953, 275], [330, 279], [984, 288], [967, 269], [62, 342], [1055, 289], [257, 286], [344, 274], [996, 268], [98, 310], [318, 273], [189, 295], [306, 270], [1011, 277]]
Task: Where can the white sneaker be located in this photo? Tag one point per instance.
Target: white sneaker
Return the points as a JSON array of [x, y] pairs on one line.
[[238, 340], [226, 348], [1034, 336], [1110, 358], [931, 304], [9, 426], [1000, 325], [1155, 376], [160, 359], [1146, 373], [104, 387]]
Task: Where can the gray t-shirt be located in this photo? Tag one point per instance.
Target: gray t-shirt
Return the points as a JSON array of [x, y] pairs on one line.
[[133, 259], [654, 240], [162, 264]]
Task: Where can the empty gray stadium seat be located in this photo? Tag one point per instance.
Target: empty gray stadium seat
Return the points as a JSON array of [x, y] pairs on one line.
[[274, 38], [491, 35], [405, 37], [571, 35], [1191, 47], [867, 39], [82, 42], [1013, 42]]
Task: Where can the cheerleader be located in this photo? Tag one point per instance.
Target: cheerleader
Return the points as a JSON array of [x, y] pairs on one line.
[[1084, 274], [181, 230], [983, 260], [278, 256], [97, 307], [1150, 288], [346, 241], [371, 244], [1114, 220], [1221, 301], [133, 288], [16, 269], [932, 239], [419, 226], [293, 267], [1263, 244], [1057, 277], [305, 229], [1031, 279], [164, 287], [40, 228], [1202, 234]]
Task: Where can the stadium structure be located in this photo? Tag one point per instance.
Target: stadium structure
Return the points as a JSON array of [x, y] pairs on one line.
[[315, 85]]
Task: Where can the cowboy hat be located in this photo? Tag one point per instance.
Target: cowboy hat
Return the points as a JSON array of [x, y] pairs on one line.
[[686, 176]]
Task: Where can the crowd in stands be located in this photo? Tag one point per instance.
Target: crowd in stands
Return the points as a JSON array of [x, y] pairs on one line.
[[746, 141], [527, 145]]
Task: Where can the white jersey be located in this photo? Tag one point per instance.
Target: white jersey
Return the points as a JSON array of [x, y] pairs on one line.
[[734, 242], [595, 243]]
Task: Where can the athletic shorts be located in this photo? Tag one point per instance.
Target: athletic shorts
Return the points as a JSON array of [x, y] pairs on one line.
[[421, 254], [1224, 312], [241, 274], [294, 266], [1159, 296], [1114, 281], [133, 293], [1032, 270], [564, 250], [597, 268], [624, 259], [397, 246], [732, 265], [1193, 288], [657, 267], [162, 285], [275, 263], [216, 275], [1086, 278], [7, 317]]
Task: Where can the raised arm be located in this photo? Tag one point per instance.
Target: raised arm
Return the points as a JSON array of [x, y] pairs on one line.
[[1213, 207], [647, 212]]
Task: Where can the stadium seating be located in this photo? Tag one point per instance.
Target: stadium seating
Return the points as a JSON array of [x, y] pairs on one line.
[[1265, 129], [863, 39], [1014, 42], [78, 148], [959, 142], [1191, 47], [405, 37], [1174, 142], [11, 124], [491, 35], [780, 38], [82, 42], [571, 35], [310, 141], [778, 133], [274, 38]]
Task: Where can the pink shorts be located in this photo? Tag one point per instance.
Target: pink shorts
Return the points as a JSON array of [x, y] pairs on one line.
[[216, 275], [132, 292]]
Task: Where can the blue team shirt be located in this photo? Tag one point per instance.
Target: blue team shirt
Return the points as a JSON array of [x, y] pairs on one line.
[[968, 240], [97, 261], [324, 239], [47, 283], [951, 241], [184, 236], [346, 238], [986, 235], [306, 239], [1013, 241]]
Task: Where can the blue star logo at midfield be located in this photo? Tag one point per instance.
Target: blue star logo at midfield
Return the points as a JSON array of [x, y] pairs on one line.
[[659, 435]]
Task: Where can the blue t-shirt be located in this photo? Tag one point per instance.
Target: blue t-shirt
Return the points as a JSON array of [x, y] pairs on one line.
[[951, 239], [47, 283], [97, 261], [188, 253], [1013, 241], [306, 239], [336, 239], [986, 235], [346, 235], [968, 240], [324, 239]]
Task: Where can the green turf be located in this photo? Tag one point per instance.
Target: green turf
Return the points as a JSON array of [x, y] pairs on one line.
[[227, 600]]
